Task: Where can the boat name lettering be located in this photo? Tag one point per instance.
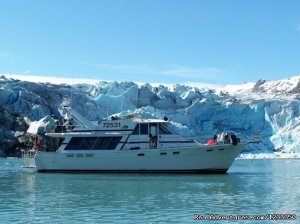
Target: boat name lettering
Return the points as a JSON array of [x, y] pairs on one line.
[[111, 124]]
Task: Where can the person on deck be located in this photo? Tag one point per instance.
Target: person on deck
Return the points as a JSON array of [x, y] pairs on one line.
[[212, 141], [37, 143]]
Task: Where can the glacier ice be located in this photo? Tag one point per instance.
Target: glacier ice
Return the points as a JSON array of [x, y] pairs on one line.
[[266, 110]]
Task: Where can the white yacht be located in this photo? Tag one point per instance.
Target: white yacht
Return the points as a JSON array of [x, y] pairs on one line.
[[134, 145]]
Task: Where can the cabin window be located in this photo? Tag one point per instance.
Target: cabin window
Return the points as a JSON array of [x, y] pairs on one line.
[[95, 143], [153, 129], [87, 143], [74, 144], [101, 143], [107, 143], [144, 129], [163, 130], [114, 142], [136, 131]]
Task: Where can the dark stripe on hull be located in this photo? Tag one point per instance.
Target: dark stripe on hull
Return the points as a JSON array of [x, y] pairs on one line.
[[158, 142], [93, 130], [203, 171]]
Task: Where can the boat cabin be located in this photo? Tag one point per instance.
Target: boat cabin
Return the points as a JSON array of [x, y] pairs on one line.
[[128, 134]]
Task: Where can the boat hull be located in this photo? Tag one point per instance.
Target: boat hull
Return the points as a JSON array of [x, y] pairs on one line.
[[211, 159]]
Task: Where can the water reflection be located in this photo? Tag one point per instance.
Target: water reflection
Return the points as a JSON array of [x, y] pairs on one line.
[[251, 187]]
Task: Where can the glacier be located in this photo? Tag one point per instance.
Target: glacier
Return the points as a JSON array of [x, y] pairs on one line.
[[266, 110]]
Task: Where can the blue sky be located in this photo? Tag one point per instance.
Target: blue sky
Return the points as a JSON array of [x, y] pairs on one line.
[[166, 41]]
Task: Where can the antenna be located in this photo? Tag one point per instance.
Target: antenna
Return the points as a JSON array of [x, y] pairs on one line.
[[71, 93]]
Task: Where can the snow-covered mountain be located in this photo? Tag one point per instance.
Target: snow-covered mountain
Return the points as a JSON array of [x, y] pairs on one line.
[[266, 110]]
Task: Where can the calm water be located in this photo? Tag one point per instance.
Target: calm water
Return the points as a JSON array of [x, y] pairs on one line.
[[252, 187]]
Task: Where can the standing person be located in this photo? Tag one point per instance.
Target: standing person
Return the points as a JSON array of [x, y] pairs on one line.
[[37, 143]]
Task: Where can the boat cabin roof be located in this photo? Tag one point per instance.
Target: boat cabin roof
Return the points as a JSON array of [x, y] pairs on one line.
[[139, 120]]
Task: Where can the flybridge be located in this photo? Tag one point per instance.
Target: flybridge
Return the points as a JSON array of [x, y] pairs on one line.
[[126, 123]]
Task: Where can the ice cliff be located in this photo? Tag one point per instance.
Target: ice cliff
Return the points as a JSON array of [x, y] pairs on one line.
[[265, 110]]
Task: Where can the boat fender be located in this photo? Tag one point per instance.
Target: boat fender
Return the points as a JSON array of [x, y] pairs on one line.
[[233, 140]]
